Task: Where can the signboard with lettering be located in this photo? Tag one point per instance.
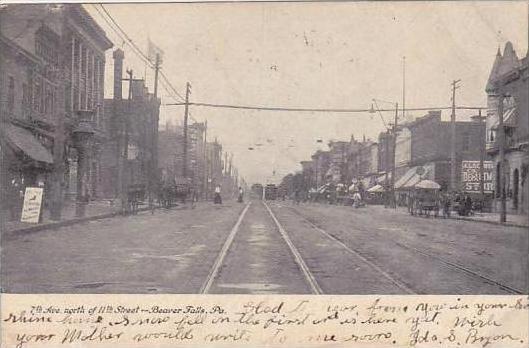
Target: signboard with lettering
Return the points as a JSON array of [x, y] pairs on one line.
[[470, 176], [32, 204]]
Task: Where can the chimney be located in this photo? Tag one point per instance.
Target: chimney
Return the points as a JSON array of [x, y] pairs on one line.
[[118, 56]]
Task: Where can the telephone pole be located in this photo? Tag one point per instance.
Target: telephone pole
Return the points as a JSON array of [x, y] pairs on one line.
[[404, 88], [154, 177], [481, 157], [125, 153], [453, 159], [386, 161], [186, 116], [205, 183], [394, 155]]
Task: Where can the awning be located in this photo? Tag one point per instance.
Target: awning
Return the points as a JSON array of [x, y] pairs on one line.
[[411, 183], [509, 118], [408, 180], [405, 178], [428, 184], [323, 188], [376, 188], [26, 142], [381, 179]]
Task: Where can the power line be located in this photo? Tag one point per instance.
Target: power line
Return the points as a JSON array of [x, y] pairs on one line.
[[336, 110], [113, 24], [125, 34], [166, 79], [381, 117]]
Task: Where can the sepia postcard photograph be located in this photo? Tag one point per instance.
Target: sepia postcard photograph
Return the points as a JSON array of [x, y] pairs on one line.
[[264, 148]]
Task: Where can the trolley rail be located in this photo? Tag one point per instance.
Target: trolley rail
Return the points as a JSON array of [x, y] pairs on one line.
[[462, 269], [450, 264], [358, 255], [223, 251], [311, 280]]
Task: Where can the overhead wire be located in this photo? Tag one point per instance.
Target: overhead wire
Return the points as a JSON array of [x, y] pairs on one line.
[[113, 24], [331, 110]]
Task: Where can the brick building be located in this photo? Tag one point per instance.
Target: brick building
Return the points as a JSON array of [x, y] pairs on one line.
[[431, 146], [202, 158], [52, 78], [137, 120]]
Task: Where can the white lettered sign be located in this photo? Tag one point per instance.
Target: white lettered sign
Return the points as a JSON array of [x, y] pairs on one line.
[[32, 204]]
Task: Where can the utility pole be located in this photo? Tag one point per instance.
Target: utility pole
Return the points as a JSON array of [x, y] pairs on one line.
[[393, 157], [501, 145], [481, 158], [154, 175], [386, 160], [125, 155], [186, 116], [453, 159], [206, 174], [404, 88]]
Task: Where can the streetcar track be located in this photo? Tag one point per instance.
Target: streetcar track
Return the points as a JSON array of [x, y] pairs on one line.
[[358, 255], [462, 269], [222, 254], [450, 264], [311, 280]]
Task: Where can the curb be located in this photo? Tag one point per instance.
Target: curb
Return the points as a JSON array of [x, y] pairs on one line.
[[64, 223], [506, 224]]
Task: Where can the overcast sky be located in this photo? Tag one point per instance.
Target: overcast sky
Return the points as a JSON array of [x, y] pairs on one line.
[[320, 55]]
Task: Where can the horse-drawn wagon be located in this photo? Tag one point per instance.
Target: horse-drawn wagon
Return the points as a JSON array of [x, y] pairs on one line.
[[172, 190], [424, 198]]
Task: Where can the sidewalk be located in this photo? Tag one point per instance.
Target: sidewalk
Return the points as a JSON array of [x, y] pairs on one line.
[[491, 218], [93, 210], [494, 218]]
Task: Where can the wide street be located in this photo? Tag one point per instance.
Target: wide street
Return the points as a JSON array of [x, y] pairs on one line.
[[269, 247]]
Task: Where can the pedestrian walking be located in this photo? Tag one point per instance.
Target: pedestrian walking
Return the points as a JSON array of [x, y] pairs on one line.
[[357, 198], [218, 198], [240, 199], [468, 205]]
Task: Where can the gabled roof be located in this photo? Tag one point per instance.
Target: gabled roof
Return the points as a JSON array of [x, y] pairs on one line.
[[494, 73], [502, 65]]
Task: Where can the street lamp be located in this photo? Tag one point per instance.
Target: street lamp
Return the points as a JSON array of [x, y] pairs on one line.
[[82, 135]]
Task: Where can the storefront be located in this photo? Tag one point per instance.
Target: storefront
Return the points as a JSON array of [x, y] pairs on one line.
[[26, 161]]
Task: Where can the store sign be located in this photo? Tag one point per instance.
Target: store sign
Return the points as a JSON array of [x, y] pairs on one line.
[[32, 204], [470, 176]]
